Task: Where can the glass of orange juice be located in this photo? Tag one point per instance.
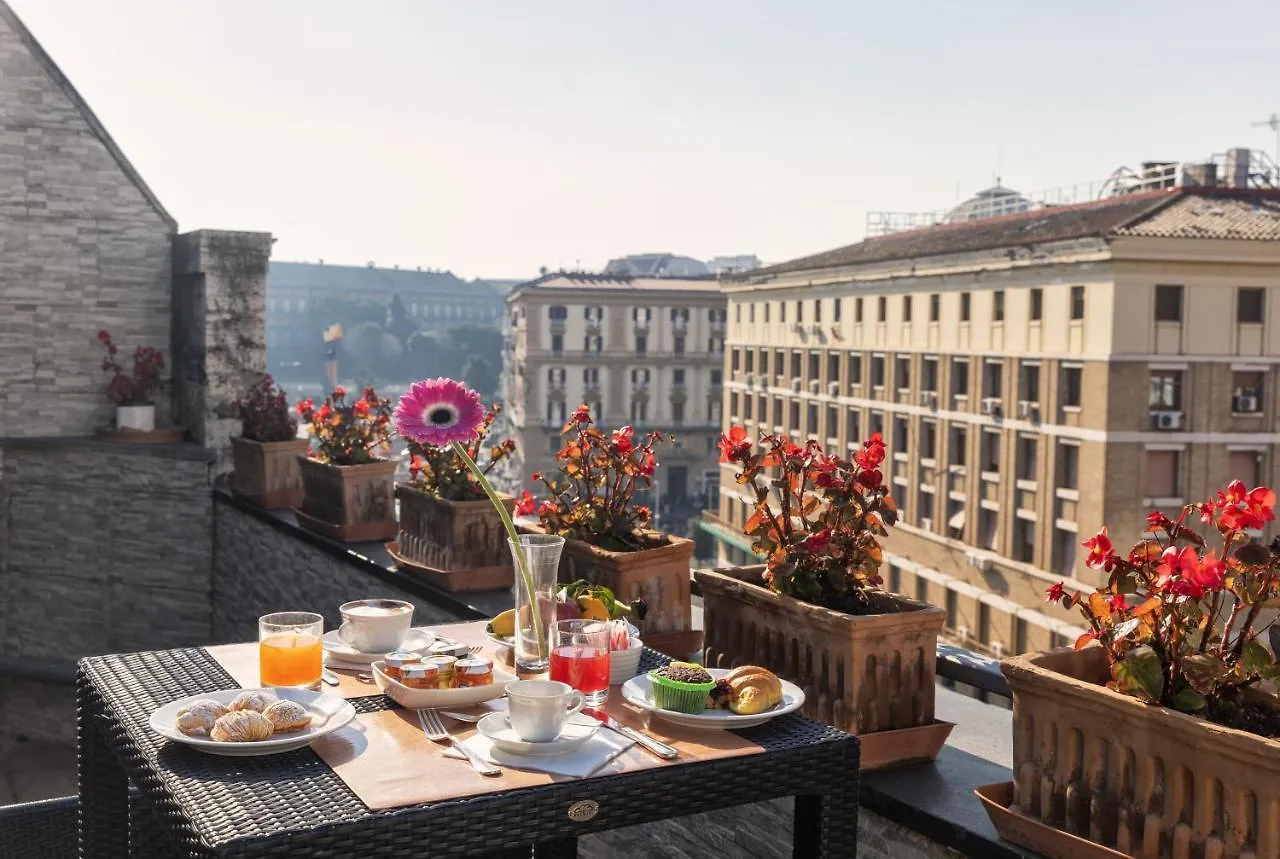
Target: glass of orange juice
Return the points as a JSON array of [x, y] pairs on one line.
[[289, 649]]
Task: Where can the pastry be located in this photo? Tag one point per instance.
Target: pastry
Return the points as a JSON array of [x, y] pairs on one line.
[[681, 687], [286, 716], [241, 726], [253, 699], [199, 716], [753, 690]]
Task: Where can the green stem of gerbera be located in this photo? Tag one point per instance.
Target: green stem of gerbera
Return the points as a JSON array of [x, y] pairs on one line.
[[507, 522]]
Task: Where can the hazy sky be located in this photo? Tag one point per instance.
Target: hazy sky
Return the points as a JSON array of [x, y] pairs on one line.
[[494, 137]]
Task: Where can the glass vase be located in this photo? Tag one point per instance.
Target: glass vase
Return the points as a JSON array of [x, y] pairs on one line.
[[537, 564]]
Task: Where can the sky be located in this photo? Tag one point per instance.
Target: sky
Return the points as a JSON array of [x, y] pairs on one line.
[[493, 137]]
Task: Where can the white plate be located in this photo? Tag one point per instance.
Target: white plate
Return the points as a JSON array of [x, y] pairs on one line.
[[328, 714], [416, 641], [419, 699], [576, 731], [639, 691], [501, 640]]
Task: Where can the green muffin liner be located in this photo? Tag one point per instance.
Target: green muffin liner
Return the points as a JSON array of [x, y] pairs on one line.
[[681, 697]]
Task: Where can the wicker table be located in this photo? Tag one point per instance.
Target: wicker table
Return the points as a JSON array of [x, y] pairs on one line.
[[292, 804]]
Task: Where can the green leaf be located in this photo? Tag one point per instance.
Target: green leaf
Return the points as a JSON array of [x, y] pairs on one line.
[[1139, 675], [1204, 672], [1189, 700], [1256, 658]]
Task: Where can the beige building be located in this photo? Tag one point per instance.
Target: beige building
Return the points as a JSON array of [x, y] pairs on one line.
[[648, 352], [1035, 375]]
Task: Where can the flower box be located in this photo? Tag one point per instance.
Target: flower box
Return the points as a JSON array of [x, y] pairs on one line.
[[457, 545], [350, 503], [266, 473], [860, 673], [1144, 779]]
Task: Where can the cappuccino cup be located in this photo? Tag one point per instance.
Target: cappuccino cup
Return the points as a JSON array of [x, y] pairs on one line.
[[538, 709], [375, 625]]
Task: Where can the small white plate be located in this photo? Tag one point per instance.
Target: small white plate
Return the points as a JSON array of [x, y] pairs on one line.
[[416, 641], [576, 731], [501, 640], [639, 691], [431, 699], [328, 714]]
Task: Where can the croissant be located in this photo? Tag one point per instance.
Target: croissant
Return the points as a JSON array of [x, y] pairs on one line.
[[285, 716], [753, 690], [241, 726], [253, 699], [199, 716]]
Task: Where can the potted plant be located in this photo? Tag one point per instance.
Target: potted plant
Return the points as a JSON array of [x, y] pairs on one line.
[[132, 391], [449, 531], [265, 454], [347, 488], [813, 612], [609, 539], [1158, 734]]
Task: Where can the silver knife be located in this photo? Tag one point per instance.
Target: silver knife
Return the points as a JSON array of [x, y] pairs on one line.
[[659, 748]]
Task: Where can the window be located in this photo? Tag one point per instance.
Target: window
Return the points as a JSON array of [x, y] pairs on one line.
[[1168, 303], [855, 368], [639, 411], [677, 375], [751, 313], [1037, 304], [557, 344], [877, 425], [817, 310], [640, 315], [1024, 540], [715, 344], [1029, 382], [678, 347], [833, 422], [935, 306], [1166, 390], [929, 374], [557, 313], [1245, 467], [993, 379], [795, 365], [799, 311], [555, 411], [997, 312], [1249, 304], [1071, 386], [737, 313], [764, 362], [811, 415], [555, 377], [766, 311], [717, 376], [814, 366], [835, 309], [991, 451], [777, 411], [1162, 474], [1064, 551], [554, 443], [748, 403], [1077, 302], [960, 377], [1246, 391], [964, 306], [928, 439], [882, 309], [779, 362], [751, 360], [854, 426], [925, 503], [592, 343], [857, 310], [782, 311], [735, 359], [902, 372], [955, 524], [877, 371], [906, 307], [901, 429], [591, 375], [956, 445], [987, 528], [833, 367], [677, 411], [1026, 454], [642, 344], [794, 425], [1068, 468]]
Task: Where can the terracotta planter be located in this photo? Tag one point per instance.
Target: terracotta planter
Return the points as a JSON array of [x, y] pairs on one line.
[[860, 673], [458, 545], [659, 576], [1148, 781], [351, 503], [266, 473]]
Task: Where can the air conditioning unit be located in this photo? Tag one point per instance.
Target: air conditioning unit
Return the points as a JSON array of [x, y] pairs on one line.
[[977, 560], [1028, 410], [749, 378], [1166, 420], [929, 399], [813, 386], [997, 649], [1246, 404], [795, 385], [833, 389], [926, 524], [991, 406]]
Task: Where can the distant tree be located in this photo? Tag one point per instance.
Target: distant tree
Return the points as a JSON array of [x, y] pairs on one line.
[[399, 323], [370, 347], [479, 375]]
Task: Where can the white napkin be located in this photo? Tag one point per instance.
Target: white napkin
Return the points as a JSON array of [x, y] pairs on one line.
[[585, 760]]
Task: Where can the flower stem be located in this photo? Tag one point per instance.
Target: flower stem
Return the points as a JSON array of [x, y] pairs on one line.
[[521, 561]]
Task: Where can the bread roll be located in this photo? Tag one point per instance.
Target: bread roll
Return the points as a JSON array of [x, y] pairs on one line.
[[241, 726], [755, 690], [253, 699], [286, 716], [199, 716]]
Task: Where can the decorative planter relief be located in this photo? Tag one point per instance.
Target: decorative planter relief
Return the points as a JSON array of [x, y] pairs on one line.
[[457, 545], [266, 473], [351, 503]]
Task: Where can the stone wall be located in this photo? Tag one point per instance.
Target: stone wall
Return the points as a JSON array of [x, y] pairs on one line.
[[83, 245], [258, 568]]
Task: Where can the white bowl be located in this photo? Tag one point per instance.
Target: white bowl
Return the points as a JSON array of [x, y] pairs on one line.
[[623, 664], [328, 714], [430, 699]]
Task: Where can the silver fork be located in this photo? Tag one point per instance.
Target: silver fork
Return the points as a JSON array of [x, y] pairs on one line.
[[435, 731]]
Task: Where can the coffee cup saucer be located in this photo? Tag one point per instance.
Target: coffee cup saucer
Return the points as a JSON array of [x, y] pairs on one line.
[[576, 731], [334, 647]]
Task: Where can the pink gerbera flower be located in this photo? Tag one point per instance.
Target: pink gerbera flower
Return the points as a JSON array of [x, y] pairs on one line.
[[439, 411]]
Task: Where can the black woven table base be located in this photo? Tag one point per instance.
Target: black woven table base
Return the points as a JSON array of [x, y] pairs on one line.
[[293, 804]]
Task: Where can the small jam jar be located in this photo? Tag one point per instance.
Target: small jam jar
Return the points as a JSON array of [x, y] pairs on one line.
[[473, 672], [393, 664], [445, 668], [448, 648], [419, 675]]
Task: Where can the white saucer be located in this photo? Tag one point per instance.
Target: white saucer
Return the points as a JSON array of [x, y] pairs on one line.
[[576, 731], [417, 640]]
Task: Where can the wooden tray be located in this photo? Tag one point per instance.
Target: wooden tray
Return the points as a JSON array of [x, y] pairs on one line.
[[1025, 831], [456, 581], [159, 435], [904, 746]]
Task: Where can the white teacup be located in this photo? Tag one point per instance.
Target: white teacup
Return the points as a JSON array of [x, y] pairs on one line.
[[538, 709], [375, 625]]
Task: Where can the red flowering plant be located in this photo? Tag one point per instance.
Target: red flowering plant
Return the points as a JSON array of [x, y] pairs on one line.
[[592, 498], [818, 519], [137, 387], [264, 413], [1179, 619], [348, 433], [439, 471]]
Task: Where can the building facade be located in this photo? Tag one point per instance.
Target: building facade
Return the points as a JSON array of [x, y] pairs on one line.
[[645, 352], [1035, 376]]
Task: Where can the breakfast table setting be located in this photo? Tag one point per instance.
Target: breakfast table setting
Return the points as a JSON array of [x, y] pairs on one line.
[[384, 738]]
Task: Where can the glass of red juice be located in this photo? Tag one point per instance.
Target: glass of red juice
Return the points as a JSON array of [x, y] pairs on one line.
[[580, 657]]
